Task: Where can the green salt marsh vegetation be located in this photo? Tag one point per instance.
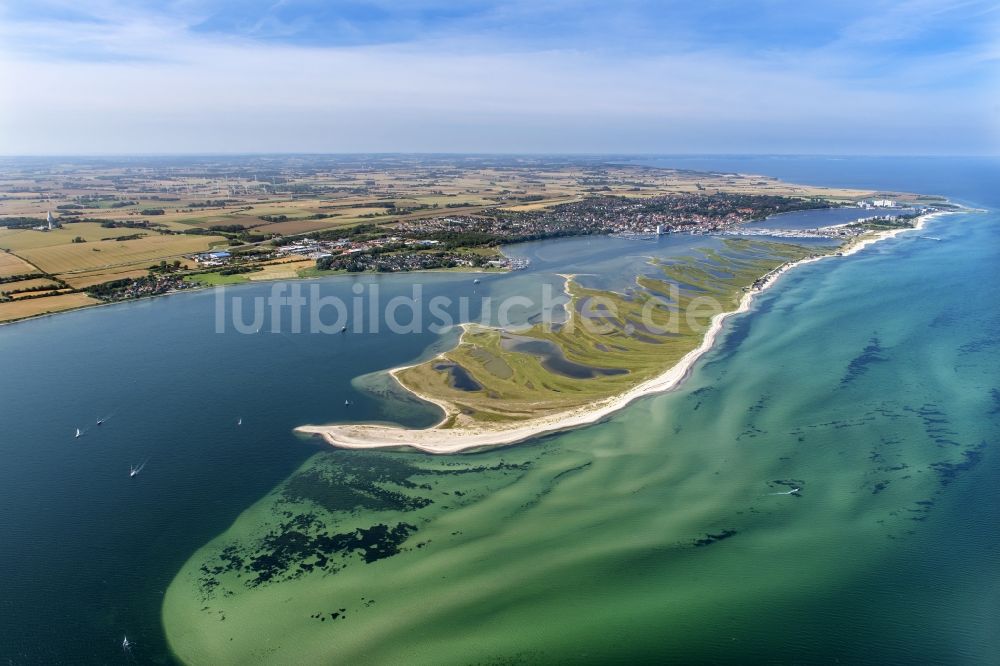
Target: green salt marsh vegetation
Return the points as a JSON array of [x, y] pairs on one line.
[[607, 343]]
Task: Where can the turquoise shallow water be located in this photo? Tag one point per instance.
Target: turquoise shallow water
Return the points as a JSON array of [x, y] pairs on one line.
[[668, 531], [869, 382]]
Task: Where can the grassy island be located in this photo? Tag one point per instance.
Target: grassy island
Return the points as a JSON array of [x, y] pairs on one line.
[[609, 342]]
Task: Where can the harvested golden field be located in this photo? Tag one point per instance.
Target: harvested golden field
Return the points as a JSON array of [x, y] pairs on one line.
[[27, 284], [35, 306], [13, 265], [538, 205], [17, 240], [301, 226], [26, 205], [83, 280], [79, 257]]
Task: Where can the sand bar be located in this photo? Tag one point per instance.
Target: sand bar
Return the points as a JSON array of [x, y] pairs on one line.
[[452, 440]]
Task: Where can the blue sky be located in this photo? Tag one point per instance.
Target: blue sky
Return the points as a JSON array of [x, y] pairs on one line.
[[765, 76]]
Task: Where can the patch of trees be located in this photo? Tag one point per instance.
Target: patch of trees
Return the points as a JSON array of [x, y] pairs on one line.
[[164, 267], [251, 252], [254, 238], [119, 238], [152, 211], [28, 290], [22, 276], [351, 264], [237, 270], [284, 218], [107, 290], [359, 232], [21, 222], [454, 239], [212, 203], [397, 210], [128, 224], [123, 204], [30, 294]]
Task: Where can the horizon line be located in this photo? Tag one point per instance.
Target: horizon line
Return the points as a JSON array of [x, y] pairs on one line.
[[486, 154]]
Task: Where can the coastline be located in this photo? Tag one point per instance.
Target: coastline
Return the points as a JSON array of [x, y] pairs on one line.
[[438, 440], [203, 287]]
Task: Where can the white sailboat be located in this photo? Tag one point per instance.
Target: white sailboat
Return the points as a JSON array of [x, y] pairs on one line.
[[239, 421], [78, 432], [126, 645], [133, 471]]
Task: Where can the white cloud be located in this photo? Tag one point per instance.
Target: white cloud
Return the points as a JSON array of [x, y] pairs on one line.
[[182, 92]]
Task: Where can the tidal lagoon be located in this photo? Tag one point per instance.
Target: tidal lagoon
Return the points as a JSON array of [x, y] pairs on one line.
[[822, 487]]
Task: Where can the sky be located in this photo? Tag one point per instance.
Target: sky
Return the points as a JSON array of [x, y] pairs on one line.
[[860, 77]]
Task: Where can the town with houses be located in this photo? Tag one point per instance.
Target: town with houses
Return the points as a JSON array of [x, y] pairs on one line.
[[472, 242], [446, 241]]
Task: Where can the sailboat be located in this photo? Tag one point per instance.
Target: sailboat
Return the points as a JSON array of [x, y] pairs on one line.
[[126, 645], [133, 471], [239, 421], [78, 432]]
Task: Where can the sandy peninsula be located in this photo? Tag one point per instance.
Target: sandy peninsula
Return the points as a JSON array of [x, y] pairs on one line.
[[441, 440]]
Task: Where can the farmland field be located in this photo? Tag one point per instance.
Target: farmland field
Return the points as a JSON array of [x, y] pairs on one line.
[[27, 284], [253, 206], [78, 257], [17, 240], [301, 226], [86, 279], [13, 265], [36, 306]]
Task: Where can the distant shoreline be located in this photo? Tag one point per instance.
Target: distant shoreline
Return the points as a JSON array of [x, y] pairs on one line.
[[203, 287], [438, 440]]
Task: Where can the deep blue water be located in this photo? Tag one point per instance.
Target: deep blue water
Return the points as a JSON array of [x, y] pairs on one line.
[[963, 179]]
